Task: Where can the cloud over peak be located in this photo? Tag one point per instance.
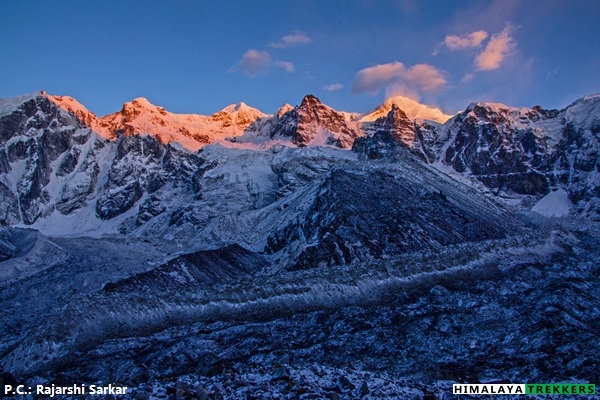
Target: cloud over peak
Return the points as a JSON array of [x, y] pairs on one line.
[[397, 79], [255, 63], [333, 87], [294, 39], [500, 45]]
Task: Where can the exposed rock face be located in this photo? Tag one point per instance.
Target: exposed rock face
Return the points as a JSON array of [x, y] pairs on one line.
[[498, 146], [382, 144], [363, 215], [51, 161], [529, 151], [33, 138], [192, 131], [141, 164], [430, 139], [7, 248], [422, 138], [84, 116], [397, 123], [510, 150], [199, 269], [313, 123]]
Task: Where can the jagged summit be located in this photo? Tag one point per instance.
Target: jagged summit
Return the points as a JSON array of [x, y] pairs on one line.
[[500, 114], [84, 115], [394, 127], [492, 106], [140, 116], [310, 123], [396, 111], [412, 108], [314, 123], [310, 99], [395, 122]]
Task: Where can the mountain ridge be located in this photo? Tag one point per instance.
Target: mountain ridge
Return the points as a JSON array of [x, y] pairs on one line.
[[56, 157], [193, 131]]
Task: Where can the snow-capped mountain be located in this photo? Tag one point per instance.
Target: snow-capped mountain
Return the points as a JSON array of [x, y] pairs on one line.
[[243, 253], [54, 165], [139, 116], [396, 122], [58, 158], [529, 151], [313, 123], [412, 109], [512, 151], [77, 109]]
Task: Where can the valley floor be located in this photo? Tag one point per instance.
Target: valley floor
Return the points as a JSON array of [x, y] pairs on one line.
[[518, 310]]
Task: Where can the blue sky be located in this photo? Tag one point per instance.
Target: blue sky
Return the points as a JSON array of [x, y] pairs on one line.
[[199, 56]]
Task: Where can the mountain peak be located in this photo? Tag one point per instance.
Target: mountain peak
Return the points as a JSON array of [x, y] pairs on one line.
[[310, 99], [141, 102], [413, 110], [315, 123], [283, 109], [584, 110], [67, 102], [240, 107], [70, 105], [396, 112]]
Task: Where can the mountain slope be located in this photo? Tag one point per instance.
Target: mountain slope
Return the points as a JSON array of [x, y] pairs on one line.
[[383, 209], [520, 154], [529, 151], [53, 165]]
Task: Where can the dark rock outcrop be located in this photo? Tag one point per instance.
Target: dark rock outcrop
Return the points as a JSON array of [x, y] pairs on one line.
[[199, 269], [315, 123]]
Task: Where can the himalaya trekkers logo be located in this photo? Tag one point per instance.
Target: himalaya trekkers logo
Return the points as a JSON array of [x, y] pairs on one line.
[[522, 388]]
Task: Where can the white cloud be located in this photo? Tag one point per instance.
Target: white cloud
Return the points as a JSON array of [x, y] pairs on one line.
[[333, 87], [286, 65], [294, 39], [255, 63], [500, 45], [473, 39], [397, 79]]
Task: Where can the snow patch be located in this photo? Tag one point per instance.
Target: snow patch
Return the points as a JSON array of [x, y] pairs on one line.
[[554, 204]]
